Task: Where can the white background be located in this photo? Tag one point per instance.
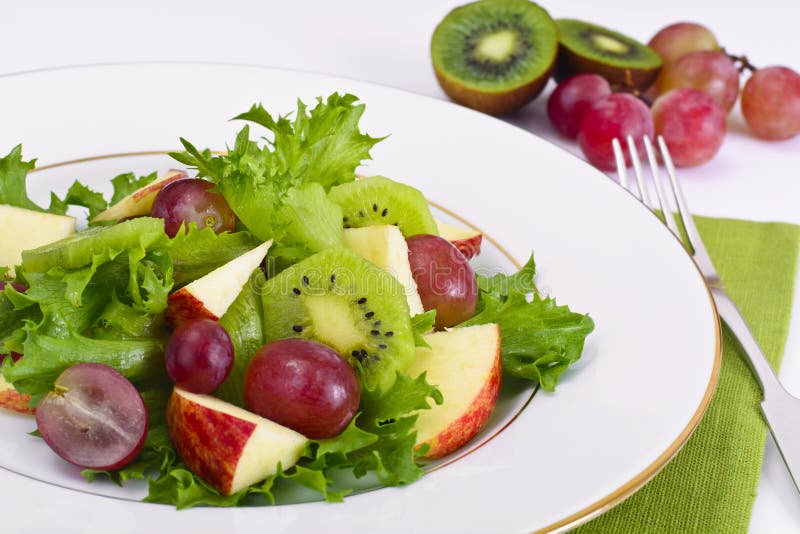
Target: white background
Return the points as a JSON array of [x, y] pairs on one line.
[[387, 42]]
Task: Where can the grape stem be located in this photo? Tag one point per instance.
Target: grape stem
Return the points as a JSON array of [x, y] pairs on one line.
[[742, 63]]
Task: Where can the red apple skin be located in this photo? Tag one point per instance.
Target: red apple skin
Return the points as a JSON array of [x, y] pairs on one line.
[[183, 306], [153, 189], [209, 442], [469, 247], [463, 429], [13, 400]]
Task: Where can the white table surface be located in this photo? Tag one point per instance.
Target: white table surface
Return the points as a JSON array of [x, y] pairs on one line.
[[387, 42]]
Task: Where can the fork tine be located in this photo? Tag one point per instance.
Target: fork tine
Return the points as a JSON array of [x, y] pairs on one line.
[[637, 170], [692, 235], [666, 208], [619, 157]]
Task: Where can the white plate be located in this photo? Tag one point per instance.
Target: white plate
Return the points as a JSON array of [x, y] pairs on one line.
[[647, 373]]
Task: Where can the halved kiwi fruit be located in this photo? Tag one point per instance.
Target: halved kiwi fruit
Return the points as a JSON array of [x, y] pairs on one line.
[[494, 55], [623, 61], [377, 200], [340, 299]]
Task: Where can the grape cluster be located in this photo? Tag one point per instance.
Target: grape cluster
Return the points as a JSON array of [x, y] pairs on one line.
[[697, 87]]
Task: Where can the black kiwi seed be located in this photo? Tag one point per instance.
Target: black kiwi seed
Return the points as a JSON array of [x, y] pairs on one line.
[[362, 214], [297, 328], [374, 207], [362, 300], [383, 346], [296, 291], [375, 332], [333, 279], [389, 334], [385, 212], [305, 280], [369, 315]]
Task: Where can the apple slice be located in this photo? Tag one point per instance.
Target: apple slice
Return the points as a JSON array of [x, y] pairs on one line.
[[211, 295], [227, 446], [465, 364], [140, 201], [386, 247], [467, 240], [13, 400], [27, 229]]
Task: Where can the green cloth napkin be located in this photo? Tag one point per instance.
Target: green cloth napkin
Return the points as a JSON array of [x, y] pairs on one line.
[[710, 486]]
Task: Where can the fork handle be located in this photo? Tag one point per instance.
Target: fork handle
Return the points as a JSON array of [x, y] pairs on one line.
[[779, 407], [761, 368]]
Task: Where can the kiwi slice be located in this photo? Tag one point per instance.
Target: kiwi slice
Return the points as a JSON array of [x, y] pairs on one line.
[[379, 201], [624, 62], [494, 55], [342, 300], [77, 249]]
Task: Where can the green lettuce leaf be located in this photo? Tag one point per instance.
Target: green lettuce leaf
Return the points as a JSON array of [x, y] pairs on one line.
[[46, 357], [500, 285], [13, 180], [310, 218], [127, 183], [79, 195], [421, 324], [323, 146], [14, 191], [198, 252], [539, 339]]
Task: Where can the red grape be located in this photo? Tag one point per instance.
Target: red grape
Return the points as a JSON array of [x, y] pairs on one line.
[[771, 103], [95, 418], [714, 73], [303, 385], [618, 115], [692, 124], [189, 201], [572, 98], [199, 355], [444, 279], [679, 39]]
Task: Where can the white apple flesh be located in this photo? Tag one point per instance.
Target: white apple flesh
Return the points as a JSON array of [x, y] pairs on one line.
[[28, 229], [467, 240], [385, 247], [465, 364], [140, 201], [211, 295], [227, 446]]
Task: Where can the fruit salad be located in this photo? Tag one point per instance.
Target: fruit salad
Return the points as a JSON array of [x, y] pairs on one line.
[[261, 317]]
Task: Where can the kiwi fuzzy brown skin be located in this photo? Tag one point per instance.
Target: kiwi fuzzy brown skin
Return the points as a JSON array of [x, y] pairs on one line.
[[500, 103], [569, 64]]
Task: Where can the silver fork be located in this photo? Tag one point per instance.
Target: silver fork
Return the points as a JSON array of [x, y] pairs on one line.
[[781, 410]]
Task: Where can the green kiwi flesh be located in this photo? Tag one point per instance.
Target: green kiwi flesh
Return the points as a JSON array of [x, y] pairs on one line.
[[342, 300], [76, 250], [377, 200], [494, 55], [623, 61]]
